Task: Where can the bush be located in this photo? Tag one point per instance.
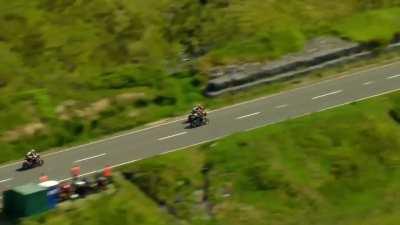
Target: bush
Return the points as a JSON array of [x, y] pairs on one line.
[[270, 44], [141, 103], [165, 100], [379, 26], [130, 76], [395, 114]]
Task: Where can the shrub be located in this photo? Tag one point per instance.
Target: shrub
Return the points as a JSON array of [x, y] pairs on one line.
[[165, 100], [395, 114]]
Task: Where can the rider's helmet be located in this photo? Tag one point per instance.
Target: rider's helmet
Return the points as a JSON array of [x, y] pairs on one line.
[[200, 107]]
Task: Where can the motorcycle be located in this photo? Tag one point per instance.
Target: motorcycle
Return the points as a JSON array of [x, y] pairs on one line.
[[197, 120], [29, 164]]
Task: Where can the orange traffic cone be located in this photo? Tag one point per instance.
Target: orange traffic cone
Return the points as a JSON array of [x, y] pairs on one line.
[[43, 178], [107, 171], [75, 171]]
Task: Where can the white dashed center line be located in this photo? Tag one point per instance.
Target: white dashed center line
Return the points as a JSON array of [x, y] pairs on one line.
[[175, 135], [5, 180], [92, 157], [249, 115], [392, 77], [327, 94], [281, 106], [368, 83]]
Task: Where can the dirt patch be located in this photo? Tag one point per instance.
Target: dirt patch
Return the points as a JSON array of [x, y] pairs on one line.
[[26, 131], [65, 110], [71, 109], [128, 98]]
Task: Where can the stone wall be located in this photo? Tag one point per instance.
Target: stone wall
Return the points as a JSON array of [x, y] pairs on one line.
[[318, 53]]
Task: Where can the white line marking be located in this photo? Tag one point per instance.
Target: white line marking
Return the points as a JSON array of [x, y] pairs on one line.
[[250, 129], [249, 115], [327, 94], [368, 83], [267, 124], [327, 108], [178, 119], [281, 106], [278, 121], [125, 163], [104, 139], [338, 77], [92, 157], [394, 76], [359, 100], [5, 180], [123, 134], [171, 136], [170, 151], [136, 160]]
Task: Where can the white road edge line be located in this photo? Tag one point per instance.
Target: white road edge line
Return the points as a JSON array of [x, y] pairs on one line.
[[339, 77], [136, 160], [125, 163], [88, 158], [250, 129], [327, 108], [167, 152], [249, 115], [281, 106], [394, 76], [368, 82], [171, 136], [5, 180], [327, 94], [276, 122], [105, 139]]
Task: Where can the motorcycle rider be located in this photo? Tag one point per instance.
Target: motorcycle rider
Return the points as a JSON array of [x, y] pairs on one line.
[[31, 155], [198, 110]]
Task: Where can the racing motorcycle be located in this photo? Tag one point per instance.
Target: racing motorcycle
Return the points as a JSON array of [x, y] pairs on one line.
[[32, 163]]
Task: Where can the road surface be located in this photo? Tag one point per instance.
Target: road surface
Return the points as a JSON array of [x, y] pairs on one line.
[[164, 138]]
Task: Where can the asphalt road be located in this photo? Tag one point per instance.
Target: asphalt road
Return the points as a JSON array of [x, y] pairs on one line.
[[168, 137]]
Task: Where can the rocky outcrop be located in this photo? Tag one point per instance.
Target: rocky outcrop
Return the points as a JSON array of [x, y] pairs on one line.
[[318, 53]]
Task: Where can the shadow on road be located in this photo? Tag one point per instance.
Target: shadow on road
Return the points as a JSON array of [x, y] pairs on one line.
[[20, 169]]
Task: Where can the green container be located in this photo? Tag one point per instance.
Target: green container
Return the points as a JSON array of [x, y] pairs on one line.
[[25, 201]]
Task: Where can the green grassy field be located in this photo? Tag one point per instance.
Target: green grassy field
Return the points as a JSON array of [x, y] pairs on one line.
[[67, 65], [340, 166], [127, 206]]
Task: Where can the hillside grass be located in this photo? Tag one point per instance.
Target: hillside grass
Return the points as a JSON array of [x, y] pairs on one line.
[[127, 205], [340, 166], [56, 51]]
